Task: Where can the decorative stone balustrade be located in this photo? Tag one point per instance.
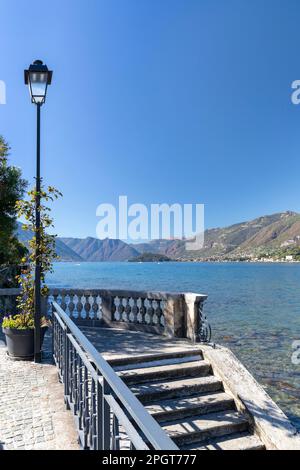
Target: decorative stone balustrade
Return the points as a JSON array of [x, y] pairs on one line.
[[171, 314]]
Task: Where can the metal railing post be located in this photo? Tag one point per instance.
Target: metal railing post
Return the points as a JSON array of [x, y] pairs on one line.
[[105, 417], [66, 368], [53, 331], [99, 413], [115, 434]]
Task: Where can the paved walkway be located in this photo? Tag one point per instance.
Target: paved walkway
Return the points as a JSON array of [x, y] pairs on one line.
[[32, 411]]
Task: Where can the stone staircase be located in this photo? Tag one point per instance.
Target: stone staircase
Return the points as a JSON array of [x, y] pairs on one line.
[[181, 392]]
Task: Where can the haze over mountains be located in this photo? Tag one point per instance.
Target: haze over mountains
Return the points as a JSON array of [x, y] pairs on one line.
[[243, 239]]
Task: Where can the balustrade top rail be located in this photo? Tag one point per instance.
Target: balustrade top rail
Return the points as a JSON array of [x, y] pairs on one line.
[[114, 292], [71, 346], [119, 293]]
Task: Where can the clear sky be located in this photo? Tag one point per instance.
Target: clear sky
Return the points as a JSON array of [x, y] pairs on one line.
[[161, 100]]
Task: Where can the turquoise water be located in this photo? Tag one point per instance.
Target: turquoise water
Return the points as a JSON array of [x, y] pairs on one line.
[[253, 308]]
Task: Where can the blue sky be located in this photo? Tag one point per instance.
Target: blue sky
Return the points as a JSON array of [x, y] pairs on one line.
[[161, 100]]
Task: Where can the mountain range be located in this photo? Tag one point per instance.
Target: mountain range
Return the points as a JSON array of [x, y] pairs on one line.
[[246, 239], [93, 249]]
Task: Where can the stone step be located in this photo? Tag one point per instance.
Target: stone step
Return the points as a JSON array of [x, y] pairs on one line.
[[239, 441], [157, 373], [176, 388], [134, 359], [181, 408], [160, 362], [204, 427]]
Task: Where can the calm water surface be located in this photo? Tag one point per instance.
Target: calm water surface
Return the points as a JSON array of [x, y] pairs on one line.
[[253, 308]]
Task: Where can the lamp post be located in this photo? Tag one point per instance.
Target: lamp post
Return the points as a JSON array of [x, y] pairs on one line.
[[37, 77]]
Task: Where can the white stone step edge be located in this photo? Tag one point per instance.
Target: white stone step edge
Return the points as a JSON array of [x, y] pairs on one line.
[[158, 363]]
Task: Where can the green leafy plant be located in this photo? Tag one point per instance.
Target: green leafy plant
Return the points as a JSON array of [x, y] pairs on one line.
[[23, 321], [19, 321], [45, 257]]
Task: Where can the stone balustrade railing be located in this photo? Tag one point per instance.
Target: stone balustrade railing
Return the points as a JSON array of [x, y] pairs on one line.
[[171, 314], [8, 300]]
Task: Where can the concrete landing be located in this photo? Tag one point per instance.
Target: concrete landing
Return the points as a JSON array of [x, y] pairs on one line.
[[116, 344]]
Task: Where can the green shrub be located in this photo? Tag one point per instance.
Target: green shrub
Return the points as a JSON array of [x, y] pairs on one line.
[[22, 321]]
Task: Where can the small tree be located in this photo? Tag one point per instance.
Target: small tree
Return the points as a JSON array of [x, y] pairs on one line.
[[47, 254], [46, 247], [12, 188]]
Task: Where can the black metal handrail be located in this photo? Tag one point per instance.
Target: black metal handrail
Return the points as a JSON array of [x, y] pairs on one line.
[[107, 414]]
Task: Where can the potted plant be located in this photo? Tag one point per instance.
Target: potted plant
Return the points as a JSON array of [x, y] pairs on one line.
[[19, 327]]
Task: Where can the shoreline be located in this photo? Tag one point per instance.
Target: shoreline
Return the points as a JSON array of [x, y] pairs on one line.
[[181, 261]]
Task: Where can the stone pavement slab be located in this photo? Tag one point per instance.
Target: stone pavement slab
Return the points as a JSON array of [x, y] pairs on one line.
[[32, 410]]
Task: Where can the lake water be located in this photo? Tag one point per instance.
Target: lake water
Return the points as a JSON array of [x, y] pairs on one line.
[[254, 309]]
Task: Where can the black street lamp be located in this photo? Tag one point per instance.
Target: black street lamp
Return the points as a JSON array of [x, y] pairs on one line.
[[37, 77]]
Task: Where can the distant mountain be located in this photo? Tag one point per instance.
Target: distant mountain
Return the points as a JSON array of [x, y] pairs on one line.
[[169, 248], [93, 249], [249, 238], [253, 237], [246, 239], [63, 251]]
